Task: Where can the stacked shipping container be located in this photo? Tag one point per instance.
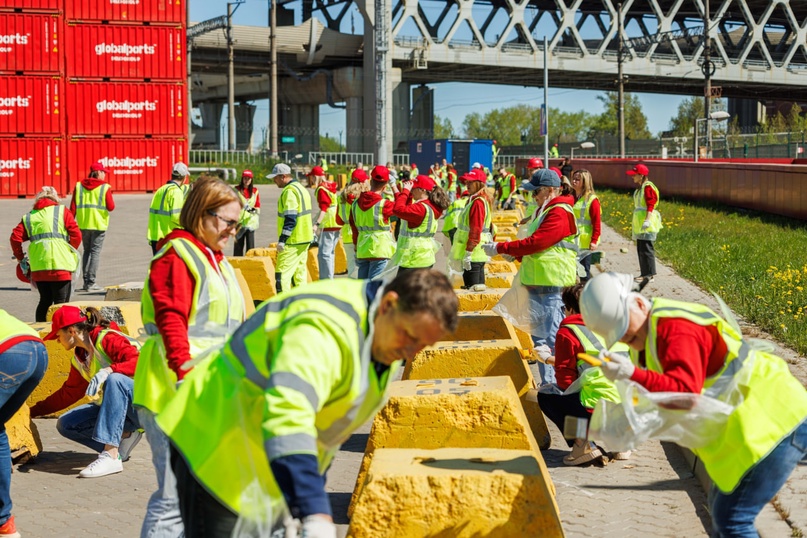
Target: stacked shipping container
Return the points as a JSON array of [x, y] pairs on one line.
[[89, 80]]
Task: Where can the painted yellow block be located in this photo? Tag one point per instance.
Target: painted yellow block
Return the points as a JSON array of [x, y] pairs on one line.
[[506, 230], [57, 372], [124, 313], [482, 325], [509, 215], [130, 291], [340, 259], [259, 272], [505, 238], [536, 419], [22, 434], [313, 264], [494, 266], [468, 412], [479, 300], [341, 180], [249, 302], [270, 252], [499, 280], [457, 492], [524, 339], [480, 358]]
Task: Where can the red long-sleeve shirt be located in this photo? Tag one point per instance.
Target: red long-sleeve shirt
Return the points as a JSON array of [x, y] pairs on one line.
[[92, 183], [557, 225], [476, 220], [124, 361], [324, 200], [20, 235], [246, 194], [366, 201], [688, 353], [567, 346], [650, 198], [171, 285], [596, 220], [412, 212]]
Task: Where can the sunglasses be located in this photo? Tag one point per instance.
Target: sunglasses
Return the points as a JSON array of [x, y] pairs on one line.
[[230, 223]]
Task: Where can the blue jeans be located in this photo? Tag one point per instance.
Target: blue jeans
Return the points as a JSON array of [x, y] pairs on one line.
[[92, 240], [546, 311], [22, 367], [733, 513], [95, 426], [369, 269], [327, 253]]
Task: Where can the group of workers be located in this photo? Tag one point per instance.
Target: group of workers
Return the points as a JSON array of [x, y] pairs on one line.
[[278, 392]]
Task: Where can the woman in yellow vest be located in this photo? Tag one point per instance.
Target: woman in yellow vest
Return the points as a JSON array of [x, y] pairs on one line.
[[191, 303], [358, 184], [23, 361], [418, 213], [646, 221], [588, 213], [104, 358], [250, 214], [325, 228], [369, 220], [473, 230], [687, 348]]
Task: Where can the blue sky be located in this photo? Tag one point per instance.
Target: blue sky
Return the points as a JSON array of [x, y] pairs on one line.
[[452, 100]]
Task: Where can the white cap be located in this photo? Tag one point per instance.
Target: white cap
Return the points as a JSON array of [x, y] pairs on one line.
[[476, 165], [604, 305], [180, 170], [279, 169]]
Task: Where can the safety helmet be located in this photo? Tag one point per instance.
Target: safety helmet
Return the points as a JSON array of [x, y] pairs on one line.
[[535, 162], [246, 173], [604, 305]]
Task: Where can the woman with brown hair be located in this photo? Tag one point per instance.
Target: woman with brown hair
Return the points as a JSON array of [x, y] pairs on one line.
[[250, 214], [191, 303]]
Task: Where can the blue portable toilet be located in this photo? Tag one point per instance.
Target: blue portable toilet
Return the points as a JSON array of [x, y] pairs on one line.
[[461, 153]]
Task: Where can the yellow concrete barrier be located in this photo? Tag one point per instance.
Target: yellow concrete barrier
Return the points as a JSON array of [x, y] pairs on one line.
[[506, 230], [270, 252], [482, 325], [504, 216], [57, 372], [456, 412], [499, 280], [259, 272], [249, 302], [340, 259], [479, 300], [341, 180], [495, 266], [125, 313], [130, 291], [456, 492], [313, 264], [505, 238], [23, 437]]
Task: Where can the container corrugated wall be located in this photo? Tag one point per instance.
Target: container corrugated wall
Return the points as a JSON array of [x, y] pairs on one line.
[[31, 106], [126, 109], [30, 44], [40, 6], [27, 164], [115, 11]]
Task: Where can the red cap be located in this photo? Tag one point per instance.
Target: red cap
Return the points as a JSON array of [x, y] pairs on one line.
[[316, 171], [638, 169], [424, 182], [64, 317], [358, 176], [246, 173], [98, 167], [380, 173], [22, 276], [556, 170], [535, 162]]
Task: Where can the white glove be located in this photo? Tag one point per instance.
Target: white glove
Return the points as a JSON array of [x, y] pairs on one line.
[[490, 249], [98, 380], [315, 228], [466, 261], [508, 258], [619, 367], [316, 526], [646, 224], [544, 352], [280, 247]]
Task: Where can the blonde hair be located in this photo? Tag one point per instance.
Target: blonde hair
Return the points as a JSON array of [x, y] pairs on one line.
[[353, 189], [588, 182], [47, 192], [205, 195]]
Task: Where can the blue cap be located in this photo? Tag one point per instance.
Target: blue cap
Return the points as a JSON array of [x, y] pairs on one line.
[[542, 177]]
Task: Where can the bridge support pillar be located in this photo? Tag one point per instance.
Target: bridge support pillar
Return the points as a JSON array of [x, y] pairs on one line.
[[209, 134], [422, 123], [354, 124], [244, 120], [301, 122], [400, 113]]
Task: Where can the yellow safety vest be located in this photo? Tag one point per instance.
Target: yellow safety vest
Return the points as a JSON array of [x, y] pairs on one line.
[[98, 360], [417, 245], [249, 220], [295, 378], [329, 221], [773, 403], [91, 210], [464, 229], [594, 385], [504, 183], [640, 214], [453, 213], [556, 266], [375, 239], [11, 327], [50, 248], [166, 205], [301, 207], [216, 310], [344, 214], [582, 214]]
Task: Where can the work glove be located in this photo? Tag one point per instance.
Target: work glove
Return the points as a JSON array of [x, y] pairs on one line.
[[316, 526], [316, 229], [616, 365], [97, 381], [646, 224], [466, 261], [490, 249], [252, 210], [544, 353], [280, 247]]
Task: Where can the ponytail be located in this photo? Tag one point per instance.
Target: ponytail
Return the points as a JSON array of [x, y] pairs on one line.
[[94, 319], [439, 198]]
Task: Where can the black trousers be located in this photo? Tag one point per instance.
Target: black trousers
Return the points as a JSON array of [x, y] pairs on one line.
[[558, 406], [153, 247], [647, 257], [246, 239], [475, 276], [402, 270], [50, 293]]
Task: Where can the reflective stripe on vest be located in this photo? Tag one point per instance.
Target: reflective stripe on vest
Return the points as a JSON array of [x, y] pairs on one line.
[[91, 209], [249, 220], [453, 213], [166, 206], [640, 214], [582, 213], [375, 239], [555, 266], [594, 385], [464, 229], [11, 327], [100, 359], [505, 184], [344, 214], [304, 229], [416, 245], [329, 221], [50, 248]]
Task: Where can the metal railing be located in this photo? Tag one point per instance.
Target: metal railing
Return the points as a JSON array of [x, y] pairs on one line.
[[207, 156], [340, 158]]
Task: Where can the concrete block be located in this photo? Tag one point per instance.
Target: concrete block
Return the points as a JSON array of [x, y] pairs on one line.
[[482, 325], [502, 229], [58, 369], [505, 238], [479, 300], [313, 264], [249, 302], [457, 492], [499, 280], [464, 412], [23, 436], [259, 272], [481, 358], [340, 259], [270, 251], [509, 215], [494, 266], [130, 291], [124, 313], [536, 419]]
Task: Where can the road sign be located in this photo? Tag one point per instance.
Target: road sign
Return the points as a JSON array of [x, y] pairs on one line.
[[287, 140]]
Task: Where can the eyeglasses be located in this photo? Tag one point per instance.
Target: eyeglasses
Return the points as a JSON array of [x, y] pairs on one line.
[[230, 223]]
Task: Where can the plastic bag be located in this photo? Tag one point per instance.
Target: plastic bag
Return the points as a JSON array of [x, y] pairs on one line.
[[515, 306], [687, 419]]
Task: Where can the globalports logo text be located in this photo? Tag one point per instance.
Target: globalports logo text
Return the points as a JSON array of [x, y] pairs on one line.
[[8, 104], [15, 164], [125, 2], [126, 109], [129, 166], [14, 39], [124, 49]]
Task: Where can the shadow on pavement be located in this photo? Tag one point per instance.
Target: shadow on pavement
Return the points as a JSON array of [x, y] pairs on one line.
[[339, 503], [64, 463], [356, 443]]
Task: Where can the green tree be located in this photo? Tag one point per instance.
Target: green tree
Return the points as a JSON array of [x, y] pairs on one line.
[[330, 145], [443, 128], [607, 123], [689, 110], [508, 125]]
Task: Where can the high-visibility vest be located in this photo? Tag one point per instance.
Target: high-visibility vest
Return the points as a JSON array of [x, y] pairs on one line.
[[295, 378], [640, 214], [375, 239], [248, 219], [582, 214], [557, 265], [50, 248], [347, 231], [324, 164], [98, 360], [11, 327], [452, 180], [166, 205], [217, 309], [416, 245], [505, 186], [91, 210], [464, 229], [772, 403], [594, 385], [329, 221], [304, 229], [453, 213]]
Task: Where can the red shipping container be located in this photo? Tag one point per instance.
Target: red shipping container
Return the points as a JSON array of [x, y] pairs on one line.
[[31, 106], [27, 164], [41, 6], [126, 109], [127, 11], [103, 51], [134, 165], [30, 44]]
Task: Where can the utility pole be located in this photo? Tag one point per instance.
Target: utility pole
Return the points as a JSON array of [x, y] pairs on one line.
[[708, 71], [546, 103], [273, 120], [621, 81], [230, 80], [189, 97], [381, 32]]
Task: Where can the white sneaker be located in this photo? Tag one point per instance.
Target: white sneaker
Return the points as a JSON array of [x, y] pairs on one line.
[[104, 465], [128, 444]]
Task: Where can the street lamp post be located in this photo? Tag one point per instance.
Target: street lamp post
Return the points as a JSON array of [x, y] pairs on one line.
[[717, 115], [583, 145]]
